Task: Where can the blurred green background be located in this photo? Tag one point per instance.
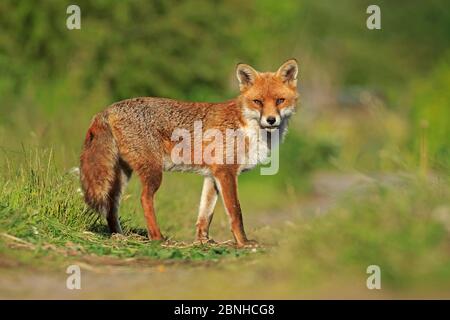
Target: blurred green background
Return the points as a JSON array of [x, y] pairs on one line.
[[373, 103], [394, 79]]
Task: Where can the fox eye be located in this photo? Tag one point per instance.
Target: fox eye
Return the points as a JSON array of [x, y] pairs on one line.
[[279, 101], [258, 102]]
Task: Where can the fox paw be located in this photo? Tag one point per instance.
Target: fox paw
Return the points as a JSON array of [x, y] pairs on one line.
[[248, 244], [204, 241], [159, 238]]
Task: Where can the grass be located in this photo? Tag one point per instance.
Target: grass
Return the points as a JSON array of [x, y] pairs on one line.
[[403, 227], [41, 203], [401, 224], [41, 208]]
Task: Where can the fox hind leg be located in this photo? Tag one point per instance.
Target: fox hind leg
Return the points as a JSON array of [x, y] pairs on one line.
[[151, 180]]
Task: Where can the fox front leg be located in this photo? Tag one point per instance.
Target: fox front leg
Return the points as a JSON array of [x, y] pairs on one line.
[[227, 184], [206, 210]]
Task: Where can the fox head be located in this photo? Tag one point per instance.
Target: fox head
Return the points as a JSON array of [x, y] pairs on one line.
[[268, 97]]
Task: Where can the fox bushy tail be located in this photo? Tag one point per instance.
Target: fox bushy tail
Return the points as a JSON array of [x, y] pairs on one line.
[[102, 176]]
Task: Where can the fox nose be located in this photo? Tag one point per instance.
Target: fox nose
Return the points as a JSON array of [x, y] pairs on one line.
[[271, 120]]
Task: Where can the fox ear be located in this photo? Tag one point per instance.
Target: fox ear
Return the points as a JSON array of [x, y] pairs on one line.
[[246, 75], [288, 72]]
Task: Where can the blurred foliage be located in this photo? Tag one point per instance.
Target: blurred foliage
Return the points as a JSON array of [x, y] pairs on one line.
[[413, 35], [186, 49], [53, 80], [162, 48], [431, 113], [402, 227]]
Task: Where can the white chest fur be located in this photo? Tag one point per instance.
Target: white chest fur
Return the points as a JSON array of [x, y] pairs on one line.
[[258, 149], [260, 143]]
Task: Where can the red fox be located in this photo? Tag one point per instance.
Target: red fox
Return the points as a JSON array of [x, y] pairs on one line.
[[136, 135]]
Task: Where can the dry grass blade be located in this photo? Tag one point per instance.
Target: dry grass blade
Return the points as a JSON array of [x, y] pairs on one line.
[[21, 241]]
